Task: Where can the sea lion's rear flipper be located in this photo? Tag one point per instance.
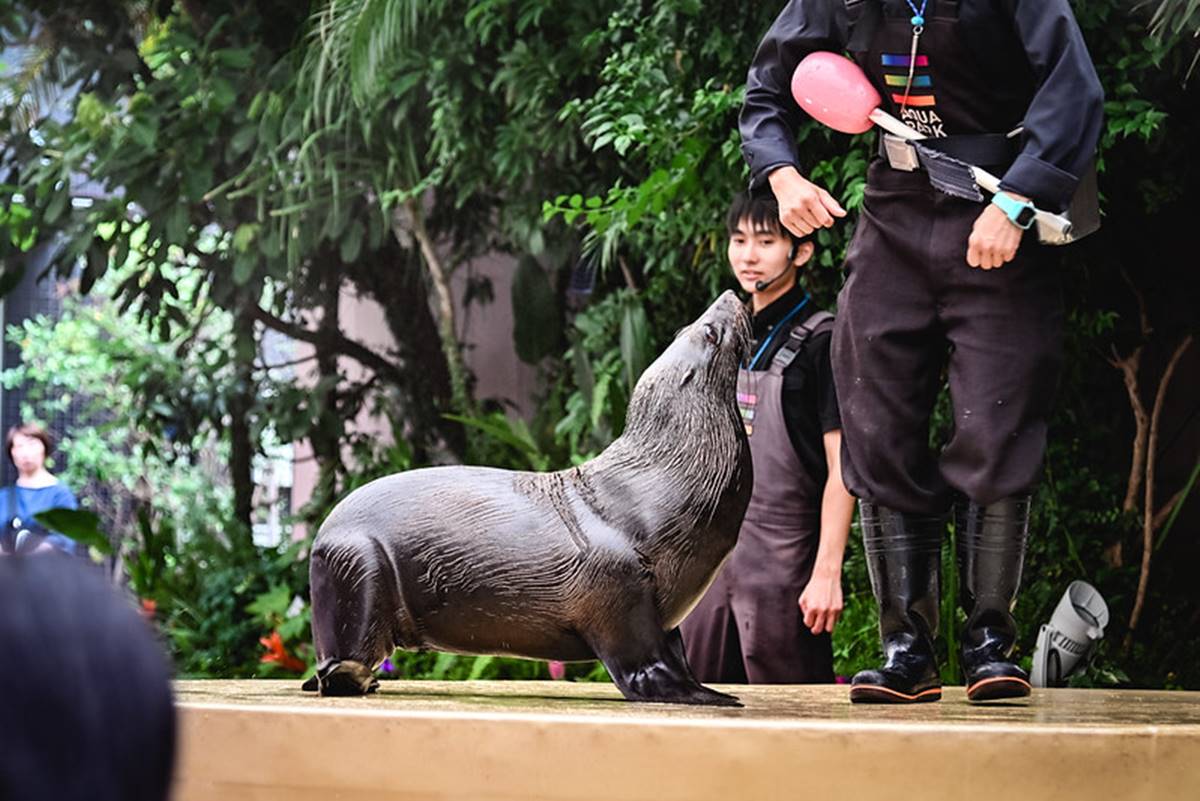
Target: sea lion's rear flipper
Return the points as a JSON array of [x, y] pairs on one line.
[[354, 593], [344, 678], [648, 664]]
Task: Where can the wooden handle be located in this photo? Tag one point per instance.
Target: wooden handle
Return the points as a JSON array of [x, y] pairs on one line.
[[893, 125]]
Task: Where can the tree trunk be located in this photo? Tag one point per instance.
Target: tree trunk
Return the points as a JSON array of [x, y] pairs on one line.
[[447, 328], [1148, 515], [1129, 372], [393, 276], [1130, 366], [326, 435], [241, 445]]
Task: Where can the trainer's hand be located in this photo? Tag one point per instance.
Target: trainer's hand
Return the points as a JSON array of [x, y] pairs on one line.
[[803, 206], [994, 238], [821, 602]]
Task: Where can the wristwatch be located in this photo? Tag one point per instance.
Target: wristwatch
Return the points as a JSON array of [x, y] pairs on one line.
[[1020, 212]]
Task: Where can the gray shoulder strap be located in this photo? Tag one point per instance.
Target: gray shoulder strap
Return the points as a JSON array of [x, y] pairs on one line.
[[798, 338]]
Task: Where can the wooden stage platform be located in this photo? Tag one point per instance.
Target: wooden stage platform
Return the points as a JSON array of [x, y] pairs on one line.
[[537, 741]]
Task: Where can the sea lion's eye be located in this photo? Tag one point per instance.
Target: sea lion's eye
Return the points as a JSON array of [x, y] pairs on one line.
[[711, 334]]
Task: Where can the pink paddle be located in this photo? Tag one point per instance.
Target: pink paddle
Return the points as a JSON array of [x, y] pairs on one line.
[[834, 91]]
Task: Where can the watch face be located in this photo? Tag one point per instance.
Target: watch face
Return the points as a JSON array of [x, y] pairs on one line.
[[1025, 216]]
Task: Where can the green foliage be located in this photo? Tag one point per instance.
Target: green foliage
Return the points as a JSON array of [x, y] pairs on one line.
[[150, 478], [526, 453], [78, 524], [536, 328], [216, 604], [856, 637], [136, 448]]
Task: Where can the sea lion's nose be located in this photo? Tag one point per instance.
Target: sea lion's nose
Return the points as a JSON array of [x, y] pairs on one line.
[[727, 303]]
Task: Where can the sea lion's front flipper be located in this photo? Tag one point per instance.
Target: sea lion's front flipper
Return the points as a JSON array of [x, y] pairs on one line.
[[701, 694], [648, 664]]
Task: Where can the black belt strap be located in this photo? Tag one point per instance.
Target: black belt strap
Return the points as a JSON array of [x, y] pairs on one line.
[[980, 150]]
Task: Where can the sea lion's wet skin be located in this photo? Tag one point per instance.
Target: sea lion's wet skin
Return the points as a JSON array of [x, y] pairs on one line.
[[600, 561]]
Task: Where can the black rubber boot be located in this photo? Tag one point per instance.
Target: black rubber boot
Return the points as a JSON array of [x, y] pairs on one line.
[[904, 559], [991, 550]]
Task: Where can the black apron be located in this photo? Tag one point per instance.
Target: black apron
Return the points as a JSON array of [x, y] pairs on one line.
[[748, 626], [911, 305]]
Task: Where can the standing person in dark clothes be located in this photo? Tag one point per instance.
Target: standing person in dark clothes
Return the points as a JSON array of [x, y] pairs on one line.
[[769, 614], [1006, 85]]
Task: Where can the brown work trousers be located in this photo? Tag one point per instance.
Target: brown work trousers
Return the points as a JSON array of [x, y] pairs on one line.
[[912, 311]]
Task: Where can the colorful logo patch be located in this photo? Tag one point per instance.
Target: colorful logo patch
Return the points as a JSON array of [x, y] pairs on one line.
[[916, 98], [903, 60], [918, 81], [747, 402]]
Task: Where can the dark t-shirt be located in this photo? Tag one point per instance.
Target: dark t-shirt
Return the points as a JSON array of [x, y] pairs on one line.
[[810, 407]]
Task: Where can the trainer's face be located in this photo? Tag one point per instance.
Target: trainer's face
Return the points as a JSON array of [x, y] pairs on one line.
[[758, 255]]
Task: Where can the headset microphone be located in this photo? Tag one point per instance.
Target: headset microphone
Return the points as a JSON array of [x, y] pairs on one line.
[[759, 286]]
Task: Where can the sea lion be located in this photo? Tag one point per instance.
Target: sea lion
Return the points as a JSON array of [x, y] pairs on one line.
[[599, 561]]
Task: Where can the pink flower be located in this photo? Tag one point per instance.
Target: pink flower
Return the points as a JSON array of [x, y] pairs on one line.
[[558, 671]]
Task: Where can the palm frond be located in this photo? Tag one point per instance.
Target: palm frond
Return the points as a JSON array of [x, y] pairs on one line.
[[355, 40], [1174, 21], [35, 81], [383, 27], [46, 61]]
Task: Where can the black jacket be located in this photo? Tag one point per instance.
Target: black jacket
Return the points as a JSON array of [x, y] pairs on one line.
[[1032, 47]]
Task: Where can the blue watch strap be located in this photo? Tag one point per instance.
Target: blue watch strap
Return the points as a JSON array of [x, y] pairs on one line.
[[1020, 213]]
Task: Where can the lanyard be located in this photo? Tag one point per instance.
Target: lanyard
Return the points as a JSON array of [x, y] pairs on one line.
[[918, 17], [777, 329], [918, 23]]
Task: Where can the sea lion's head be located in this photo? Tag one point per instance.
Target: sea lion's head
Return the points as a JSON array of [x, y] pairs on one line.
[[696, 376]]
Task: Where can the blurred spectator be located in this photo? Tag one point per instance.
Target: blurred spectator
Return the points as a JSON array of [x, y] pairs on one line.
[[87, 709], [35, 490]]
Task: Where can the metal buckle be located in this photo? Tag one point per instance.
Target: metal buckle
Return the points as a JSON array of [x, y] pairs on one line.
[[900, 154]]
